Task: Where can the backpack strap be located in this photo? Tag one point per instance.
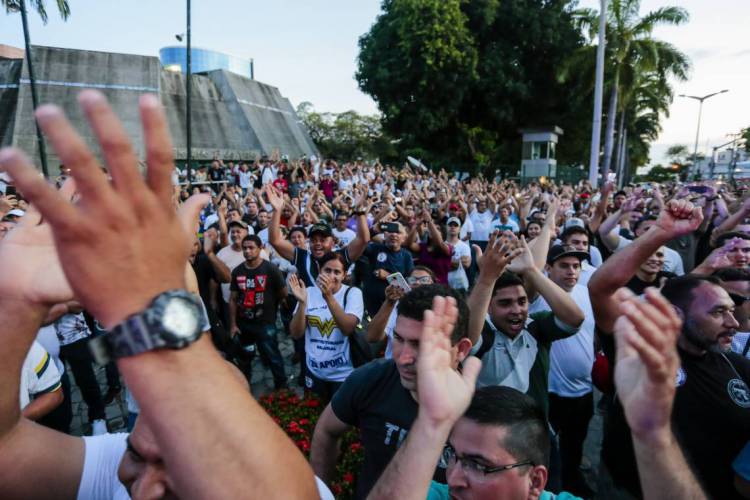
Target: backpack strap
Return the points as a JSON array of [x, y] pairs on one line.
[[747, 347], [346, 294], [488, 339]]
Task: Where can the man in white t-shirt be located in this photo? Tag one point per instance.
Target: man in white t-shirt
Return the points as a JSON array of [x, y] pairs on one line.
[[41, 390], [343, 234], [461, 258], [504, 222], [571, 402], [481, 220]]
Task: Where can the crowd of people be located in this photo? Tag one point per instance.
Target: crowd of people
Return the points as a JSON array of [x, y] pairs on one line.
[[469, 328]]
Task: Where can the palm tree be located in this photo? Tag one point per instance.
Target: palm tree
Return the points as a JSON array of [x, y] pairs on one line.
[[632, 52], [38, 5], [20, 5]]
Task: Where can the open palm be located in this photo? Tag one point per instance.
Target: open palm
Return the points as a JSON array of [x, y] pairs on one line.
[[444, 393]]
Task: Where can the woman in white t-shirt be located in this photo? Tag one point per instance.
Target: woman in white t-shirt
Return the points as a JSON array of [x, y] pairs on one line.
[[326, 315]]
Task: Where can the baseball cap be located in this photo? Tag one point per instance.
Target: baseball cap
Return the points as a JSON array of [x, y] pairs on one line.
[[240, 223], [454, 220], [573, 222], [560, 251], [321, 228]]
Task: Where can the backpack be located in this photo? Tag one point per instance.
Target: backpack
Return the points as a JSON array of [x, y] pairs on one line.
[[488, 340], [360, 351]]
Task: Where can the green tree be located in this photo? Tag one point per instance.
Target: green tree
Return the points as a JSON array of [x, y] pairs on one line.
[[657, 173], [456, 79], [347, 135], [39, 6]]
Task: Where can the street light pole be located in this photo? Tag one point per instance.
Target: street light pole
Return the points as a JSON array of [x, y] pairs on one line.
[[596, 128], [187, 104], [700, 99], [32, 83]]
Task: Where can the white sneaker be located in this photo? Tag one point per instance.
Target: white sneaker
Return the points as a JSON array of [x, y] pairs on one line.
[[98, 427]]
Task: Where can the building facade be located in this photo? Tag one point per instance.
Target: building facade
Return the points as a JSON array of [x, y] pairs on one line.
[[233, 116]]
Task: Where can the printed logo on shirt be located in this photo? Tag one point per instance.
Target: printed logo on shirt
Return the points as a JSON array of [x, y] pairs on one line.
[[382, 257], [681, 377], [739, 393], [324, 327]]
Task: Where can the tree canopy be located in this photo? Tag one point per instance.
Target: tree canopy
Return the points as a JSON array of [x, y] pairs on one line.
[[38, 5], [456, 80]]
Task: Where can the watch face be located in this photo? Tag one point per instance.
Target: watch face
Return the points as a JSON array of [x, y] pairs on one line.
[[180, 318]]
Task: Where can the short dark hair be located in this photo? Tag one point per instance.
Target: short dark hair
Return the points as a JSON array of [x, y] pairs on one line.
[[254, 238], [721, 240], [527, 436], [621, 192], [329, 256], [643, 219], [506, 280], [571, 231], [732, 274], [679, 291], [300, 229], [419, 299], [425, 269]]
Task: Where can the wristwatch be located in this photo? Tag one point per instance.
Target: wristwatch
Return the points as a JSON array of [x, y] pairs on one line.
[[173, 320]]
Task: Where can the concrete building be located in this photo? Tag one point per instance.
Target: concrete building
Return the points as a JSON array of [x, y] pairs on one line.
[[233, 116]]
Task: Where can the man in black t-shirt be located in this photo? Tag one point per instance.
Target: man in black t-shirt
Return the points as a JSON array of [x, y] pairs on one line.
[[381, 398], [256, 289], [711, 416], [650, 273]]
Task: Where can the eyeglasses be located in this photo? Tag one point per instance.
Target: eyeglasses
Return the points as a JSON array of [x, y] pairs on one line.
[[473, 468], [422, 280]]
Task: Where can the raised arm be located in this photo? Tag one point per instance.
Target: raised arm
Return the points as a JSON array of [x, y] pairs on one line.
[[217, 415], [283, 246], [376, 326], [540, 245], [222, 272], [357, 246], [732, 221], [436, 237], [298, 324], [678, 218]]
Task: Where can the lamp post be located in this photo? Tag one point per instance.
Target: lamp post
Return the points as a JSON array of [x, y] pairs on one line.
[[700, 99], [188, 92], [32, 83]]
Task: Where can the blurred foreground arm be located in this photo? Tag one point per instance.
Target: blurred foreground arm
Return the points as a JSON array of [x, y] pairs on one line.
[[115, 235]]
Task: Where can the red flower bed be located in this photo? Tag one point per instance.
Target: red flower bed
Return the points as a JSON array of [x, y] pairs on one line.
[[297, 416]]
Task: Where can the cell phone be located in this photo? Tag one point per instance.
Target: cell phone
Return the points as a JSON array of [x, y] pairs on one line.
[[389, 227], [10, 190], [698, 189], [398, 280]]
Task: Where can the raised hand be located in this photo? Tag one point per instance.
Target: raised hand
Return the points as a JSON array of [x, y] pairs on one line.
[[501, 250], [274, 197], [325, 284], [444, 393], [30, 270], [647, 361], [111, 243], [393, 293], [523, 261], [679, 217], [298, 289]]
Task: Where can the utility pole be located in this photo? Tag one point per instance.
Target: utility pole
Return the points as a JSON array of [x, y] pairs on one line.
[[596, 129], [32, 82]]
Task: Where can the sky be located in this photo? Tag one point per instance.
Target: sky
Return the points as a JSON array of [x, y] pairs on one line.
[[308, 49]]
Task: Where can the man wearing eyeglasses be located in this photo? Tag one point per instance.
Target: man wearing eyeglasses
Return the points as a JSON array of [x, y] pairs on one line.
[[494, 442]]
